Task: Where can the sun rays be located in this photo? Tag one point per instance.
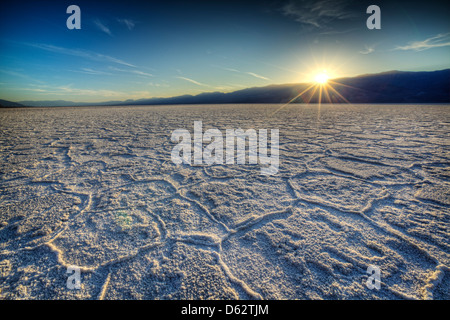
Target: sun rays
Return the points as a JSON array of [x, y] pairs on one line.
[[320, 90]]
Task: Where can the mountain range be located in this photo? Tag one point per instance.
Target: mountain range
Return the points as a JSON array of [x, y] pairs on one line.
[[386, 87]]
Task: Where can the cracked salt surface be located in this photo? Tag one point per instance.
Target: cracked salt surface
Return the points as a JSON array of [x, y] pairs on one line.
[[95, 187]]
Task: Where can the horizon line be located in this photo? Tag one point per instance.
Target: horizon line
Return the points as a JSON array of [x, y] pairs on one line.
[[123, 102]]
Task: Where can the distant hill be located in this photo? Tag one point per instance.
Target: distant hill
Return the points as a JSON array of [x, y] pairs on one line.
[[385, 87], [9, 104], [50, 103], [398, 87]]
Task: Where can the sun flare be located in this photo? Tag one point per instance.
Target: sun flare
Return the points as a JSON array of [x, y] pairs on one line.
[[321, 85], [321, 77]]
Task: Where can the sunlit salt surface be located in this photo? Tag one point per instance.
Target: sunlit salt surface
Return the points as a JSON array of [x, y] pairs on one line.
[[95, 188]]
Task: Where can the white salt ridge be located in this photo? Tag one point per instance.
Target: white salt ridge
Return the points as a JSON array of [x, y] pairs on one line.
[[95, 188]]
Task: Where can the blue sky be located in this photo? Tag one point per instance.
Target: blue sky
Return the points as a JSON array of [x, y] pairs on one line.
[[130, 50]]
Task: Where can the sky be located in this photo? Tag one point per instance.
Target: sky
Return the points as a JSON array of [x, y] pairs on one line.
[[134, 50]]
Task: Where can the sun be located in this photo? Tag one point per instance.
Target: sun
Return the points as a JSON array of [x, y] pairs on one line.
[[320, 86], [321, 77]]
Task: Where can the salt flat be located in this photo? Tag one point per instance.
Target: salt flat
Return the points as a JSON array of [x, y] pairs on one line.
[[95, 188]]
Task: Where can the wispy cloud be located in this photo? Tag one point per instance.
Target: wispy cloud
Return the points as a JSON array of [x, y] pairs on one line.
[[130, 24], [257, 75], [335, 32], [102, 27], [158, 85], [65, 90], [14, 73], [82, 54], [68, 89], [192, 81], [92, 71], [33, 90], [440, 40], [241, 72], [367, 50], [317, 13], [19, 74], [140, 73], [230, 69]]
